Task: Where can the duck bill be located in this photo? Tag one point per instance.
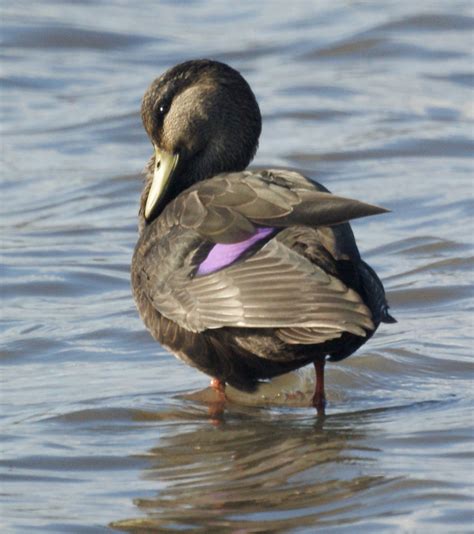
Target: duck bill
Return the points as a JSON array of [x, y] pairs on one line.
[[165, 164]]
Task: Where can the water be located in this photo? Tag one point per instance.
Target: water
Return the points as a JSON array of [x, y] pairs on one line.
[[101, 429]]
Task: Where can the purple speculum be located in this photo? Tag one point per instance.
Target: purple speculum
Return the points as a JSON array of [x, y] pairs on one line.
[[223, 254]]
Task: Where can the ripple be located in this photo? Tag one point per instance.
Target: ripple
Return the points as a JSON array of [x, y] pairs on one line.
[[372, 100], [460, 78], [430, 22], [56, 37], [72, 463], [414, 148], [423, 297], [315, 115], [421, 246], [364, 47]]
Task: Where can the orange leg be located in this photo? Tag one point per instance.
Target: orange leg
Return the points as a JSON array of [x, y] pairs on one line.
[[319, 398], [216, 408], [218, 385]]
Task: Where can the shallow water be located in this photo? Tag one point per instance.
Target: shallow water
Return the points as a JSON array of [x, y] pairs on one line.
[[101, 429]]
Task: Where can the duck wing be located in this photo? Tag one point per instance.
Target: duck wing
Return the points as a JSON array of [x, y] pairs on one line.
[[228, 207], [221, 255]]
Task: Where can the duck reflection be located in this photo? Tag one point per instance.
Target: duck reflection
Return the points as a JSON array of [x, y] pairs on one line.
[[258, 471]]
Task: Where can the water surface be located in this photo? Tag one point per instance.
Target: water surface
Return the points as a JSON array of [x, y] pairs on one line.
[[101, 428]]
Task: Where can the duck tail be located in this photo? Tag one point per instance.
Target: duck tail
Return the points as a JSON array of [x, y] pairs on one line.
[[386, 317]]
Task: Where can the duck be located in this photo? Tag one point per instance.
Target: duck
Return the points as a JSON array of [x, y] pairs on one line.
[[243, 274]]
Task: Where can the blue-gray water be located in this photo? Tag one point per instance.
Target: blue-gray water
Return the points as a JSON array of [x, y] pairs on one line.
[[101, 428]]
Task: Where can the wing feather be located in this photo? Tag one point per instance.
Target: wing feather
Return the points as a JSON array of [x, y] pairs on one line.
[[276, 288], [226, 208]]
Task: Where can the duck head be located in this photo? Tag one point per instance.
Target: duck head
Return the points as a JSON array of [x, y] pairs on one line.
[[202, 119]]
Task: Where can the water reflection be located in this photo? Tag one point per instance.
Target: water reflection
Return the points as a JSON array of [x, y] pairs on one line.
[[254, 474]]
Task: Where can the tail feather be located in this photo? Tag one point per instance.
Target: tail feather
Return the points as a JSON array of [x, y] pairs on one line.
[[386, 317]]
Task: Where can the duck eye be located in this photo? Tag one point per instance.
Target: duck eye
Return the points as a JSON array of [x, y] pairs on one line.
[[162, 108]]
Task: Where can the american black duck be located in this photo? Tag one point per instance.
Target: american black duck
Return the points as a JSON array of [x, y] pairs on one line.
[[243, 274]]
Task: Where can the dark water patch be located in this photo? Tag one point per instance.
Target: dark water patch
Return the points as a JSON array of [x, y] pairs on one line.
[[373, 416], [33, 83], [314, 115], [325, 91], [422, 246], [94, 415], [349, 48], [33, 479], [364, 47], [130, 418], [74, 284], [449, 266], [73, 463], [414, 148], [48, 254], [398, 365], [92, 124], [429, 296], [428, 439], [429, 22], [254, 50], [429, 246], [28, 347], [60, 38], [79, 2], [465, 79], [71, 526]]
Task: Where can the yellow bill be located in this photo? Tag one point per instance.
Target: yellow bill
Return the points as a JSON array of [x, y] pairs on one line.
[[165, 164]]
